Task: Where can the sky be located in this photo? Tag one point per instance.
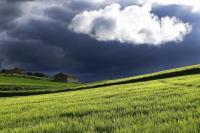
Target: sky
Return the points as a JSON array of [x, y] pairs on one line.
[[99, 39]]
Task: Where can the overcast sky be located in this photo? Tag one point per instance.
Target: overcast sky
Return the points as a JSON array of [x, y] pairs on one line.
[[99, 39]]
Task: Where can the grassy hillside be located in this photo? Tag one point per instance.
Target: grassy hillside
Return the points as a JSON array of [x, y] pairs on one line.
[[13, 85], [16, 85], [188, 70], [160, 105]]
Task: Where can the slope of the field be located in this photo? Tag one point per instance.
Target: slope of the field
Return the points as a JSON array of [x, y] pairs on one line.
[[162, 105], [18, 85], [188, 70]]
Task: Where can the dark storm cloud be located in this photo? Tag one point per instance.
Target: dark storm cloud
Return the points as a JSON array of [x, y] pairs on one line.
[[60, 14], [8, 12], [45, 44], [18, 0], [80, 5]]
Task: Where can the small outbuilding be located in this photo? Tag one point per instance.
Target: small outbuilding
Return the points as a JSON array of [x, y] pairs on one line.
[[61, 77]]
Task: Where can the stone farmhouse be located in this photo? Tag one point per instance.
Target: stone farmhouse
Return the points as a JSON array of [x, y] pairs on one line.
[[61, 77]]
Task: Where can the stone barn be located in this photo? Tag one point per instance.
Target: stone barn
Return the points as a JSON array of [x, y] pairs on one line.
[[61, 77]]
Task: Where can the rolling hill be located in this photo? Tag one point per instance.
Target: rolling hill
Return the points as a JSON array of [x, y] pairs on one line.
[[167, 101]]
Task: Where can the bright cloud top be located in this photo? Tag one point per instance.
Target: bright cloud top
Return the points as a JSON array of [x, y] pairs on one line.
[[133, 24]]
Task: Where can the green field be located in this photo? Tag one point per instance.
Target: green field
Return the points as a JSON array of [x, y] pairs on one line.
[[16, 85], [167, 101]]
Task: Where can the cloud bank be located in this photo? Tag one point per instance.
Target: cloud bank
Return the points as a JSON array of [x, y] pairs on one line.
[[133, 24]]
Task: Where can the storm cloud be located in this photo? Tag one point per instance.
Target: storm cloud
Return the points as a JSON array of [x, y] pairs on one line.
[[35, 35]]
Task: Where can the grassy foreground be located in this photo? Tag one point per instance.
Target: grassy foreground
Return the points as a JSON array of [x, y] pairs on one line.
[[162, 105]]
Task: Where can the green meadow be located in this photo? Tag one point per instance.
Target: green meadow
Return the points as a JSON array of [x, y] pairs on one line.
[[16, 85], [163, 102]]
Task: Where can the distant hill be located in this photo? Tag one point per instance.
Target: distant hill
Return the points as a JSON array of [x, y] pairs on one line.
[[183, 71]]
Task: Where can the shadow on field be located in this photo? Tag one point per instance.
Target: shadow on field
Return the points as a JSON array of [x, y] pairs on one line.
[[135, 80], [27, 93]]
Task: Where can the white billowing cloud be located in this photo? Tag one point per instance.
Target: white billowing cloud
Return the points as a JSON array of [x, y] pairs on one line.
[[133, 24]]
